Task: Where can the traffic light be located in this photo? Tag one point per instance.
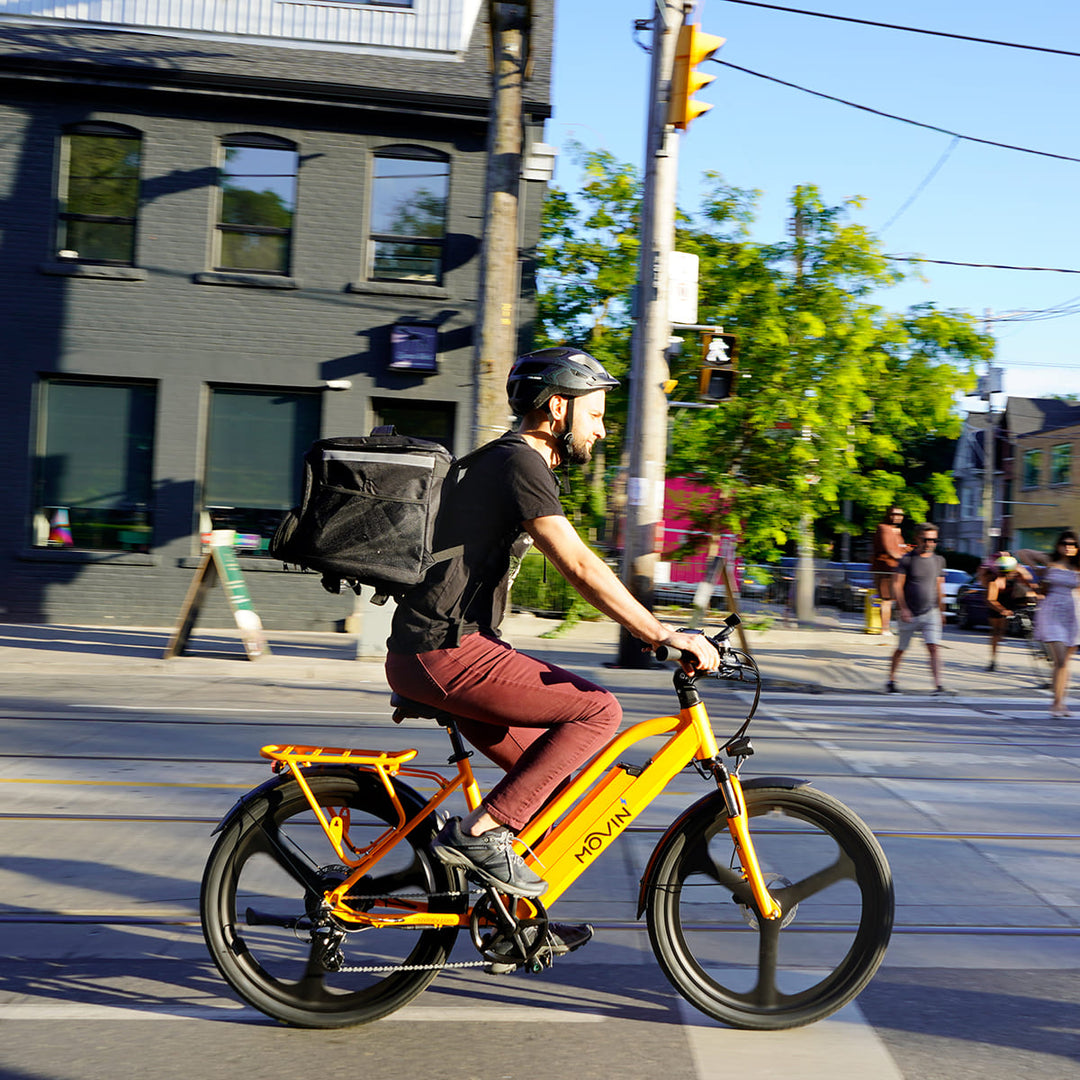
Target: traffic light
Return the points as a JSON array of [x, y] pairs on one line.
[[719, 353], [693, 47]]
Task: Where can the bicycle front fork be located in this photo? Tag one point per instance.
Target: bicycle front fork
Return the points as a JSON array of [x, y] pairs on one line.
[[738, 825]]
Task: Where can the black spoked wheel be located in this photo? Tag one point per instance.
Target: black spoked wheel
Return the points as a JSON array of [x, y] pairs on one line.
[[263, 923], [830, 876]]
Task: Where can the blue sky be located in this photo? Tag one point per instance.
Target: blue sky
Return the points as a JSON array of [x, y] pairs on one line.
[[984, 204]]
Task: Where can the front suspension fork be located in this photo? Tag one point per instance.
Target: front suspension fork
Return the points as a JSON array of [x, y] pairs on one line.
[[738, 825]]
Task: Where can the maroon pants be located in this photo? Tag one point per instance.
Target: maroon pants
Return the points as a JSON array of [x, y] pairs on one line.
[[535, 720]]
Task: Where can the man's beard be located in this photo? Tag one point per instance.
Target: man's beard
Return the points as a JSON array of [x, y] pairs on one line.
[[575, 453]]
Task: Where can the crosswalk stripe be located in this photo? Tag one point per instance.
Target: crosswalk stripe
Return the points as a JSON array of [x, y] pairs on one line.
[[842, 1047]]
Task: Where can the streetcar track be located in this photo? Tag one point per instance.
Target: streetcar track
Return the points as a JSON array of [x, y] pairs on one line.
[[60, 918]]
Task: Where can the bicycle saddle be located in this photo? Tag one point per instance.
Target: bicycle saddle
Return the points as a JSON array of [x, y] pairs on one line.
[[407, 709]]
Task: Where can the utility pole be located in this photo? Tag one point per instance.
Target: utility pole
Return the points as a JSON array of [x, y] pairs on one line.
[[496, 322], [646, 435], [804, 567], [990, 384]]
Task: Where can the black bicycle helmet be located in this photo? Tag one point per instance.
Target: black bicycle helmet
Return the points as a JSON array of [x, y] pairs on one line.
[[538, 375]]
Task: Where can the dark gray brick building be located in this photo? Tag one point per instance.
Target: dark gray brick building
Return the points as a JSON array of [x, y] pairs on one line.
[[220, 242]]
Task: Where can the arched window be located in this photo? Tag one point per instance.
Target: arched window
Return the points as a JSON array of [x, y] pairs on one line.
[[409, 191], [257, 181], [99, 193]]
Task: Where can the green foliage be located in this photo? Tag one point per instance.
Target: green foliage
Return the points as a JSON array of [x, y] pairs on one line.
[[541, 589], [838, 401]]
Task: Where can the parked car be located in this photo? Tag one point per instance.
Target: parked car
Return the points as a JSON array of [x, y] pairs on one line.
[[955, 580], [857, 582]]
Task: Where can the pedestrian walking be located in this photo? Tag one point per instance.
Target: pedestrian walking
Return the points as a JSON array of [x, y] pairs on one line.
[[1009, 588], [889, 548], [919, 589], [1057, 622]]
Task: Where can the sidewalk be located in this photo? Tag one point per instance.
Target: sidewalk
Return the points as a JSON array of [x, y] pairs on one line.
[[831, 656]]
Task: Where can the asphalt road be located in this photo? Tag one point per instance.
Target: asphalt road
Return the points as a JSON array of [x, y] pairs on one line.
[[110, 786]]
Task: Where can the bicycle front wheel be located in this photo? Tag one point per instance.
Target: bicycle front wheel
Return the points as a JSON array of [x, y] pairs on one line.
[[261, 896], [830, 877]]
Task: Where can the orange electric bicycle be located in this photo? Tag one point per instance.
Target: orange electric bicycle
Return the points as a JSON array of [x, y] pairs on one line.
[[769, 904]]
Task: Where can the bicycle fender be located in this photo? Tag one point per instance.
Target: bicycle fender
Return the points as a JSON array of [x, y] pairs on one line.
[[708, 808], [410, 798]]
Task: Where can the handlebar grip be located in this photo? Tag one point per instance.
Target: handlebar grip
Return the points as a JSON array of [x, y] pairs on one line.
[[668, 652]]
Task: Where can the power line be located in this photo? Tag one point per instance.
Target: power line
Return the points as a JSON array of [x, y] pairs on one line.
[[925, 182], [980, 266], [907, 29], [891, 116]]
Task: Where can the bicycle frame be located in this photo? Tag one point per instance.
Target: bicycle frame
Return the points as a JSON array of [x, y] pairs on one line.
[[567, 836]]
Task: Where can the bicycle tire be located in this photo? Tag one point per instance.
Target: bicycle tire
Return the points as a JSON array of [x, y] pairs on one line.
[[249, 896], [830, 876]]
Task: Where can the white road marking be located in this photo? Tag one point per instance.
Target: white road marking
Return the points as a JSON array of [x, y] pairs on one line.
[[843, 1047]]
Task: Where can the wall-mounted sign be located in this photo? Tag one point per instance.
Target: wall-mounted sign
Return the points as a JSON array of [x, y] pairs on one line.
[[413, 347]]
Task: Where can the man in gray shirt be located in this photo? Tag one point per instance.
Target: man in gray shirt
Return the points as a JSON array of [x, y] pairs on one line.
[[920, 596]]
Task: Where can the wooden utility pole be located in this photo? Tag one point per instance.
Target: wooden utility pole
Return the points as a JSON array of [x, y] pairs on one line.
[[496, 320], [804, 568], [646, 435]]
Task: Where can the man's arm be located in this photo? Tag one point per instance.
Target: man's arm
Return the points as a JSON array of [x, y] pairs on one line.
[[899, 580], [593, 579]]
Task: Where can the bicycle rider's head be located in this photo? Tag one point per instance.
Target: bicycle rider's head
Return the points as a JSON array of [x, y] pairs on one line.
[[567, 388], [1005, 565]]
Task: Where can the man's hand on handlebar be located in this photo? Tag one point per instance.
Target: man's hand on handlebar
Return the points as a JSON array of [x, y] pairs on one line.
[[697, 652]]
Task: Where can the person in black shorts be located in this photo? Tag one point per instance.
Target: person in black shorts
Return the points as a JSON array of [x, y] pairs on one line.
[[1008, 589], [537, 721]]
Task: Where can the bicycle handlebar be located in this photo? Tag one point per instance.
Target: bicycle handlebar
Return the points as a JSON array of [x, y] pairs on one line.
[[666, 652]]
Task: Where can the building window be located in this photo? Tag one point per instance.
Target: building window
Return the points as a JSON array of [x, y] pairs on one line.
[[94, 465], [255, 445], [99, 194], [1033, 463], [257, 179], [409, 194], [1060, 463], [432, 420]]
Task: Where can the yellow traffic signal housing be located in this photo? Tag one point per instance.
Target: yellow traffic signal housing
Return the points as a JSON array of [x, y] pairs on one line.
[[719, 373], [694, 47]]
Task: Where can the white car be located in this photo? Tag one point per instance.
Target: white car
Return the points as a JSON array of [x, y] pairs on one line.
[[953, 580]]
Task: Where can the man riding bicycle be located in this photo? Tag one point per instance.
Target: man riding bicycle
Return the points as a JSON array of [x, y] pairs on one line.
[[1009, 588], [535, 720]]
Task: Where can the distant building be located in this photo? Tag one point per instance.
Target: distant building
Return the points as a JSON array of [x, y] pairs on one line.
[[1035, 485], [962, 524], [230, 229], [1044, 490]]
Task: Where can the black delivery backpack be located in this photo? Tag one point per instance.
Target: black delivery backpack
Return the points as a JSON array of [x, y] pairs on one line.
[[368, 512]]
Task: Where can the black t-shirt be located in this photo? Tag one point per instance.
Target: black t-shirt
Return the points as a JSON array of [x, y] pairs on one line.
[[921, 573], [506, 484]]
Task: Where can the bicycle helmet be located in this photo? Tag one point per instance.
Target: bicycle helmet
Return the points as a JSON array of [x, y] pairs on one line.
[[1005, 564], [538, 375]]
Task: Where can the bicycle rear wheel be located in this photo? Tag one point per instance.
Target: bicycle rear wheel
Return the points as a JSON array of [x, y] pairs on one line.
[[830, 876], [264, 882]]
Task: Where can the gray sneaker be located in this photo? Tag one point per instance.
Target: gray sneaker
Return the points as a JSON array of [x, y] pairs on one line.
[[489, 857], [562, 938]]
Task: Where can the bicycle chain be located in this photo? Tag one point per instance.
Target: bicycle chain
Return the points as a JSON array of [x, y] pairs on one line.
[[375, 969]]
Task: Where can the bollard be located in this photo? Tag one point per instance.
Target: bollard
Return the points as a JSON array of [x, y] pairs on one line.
[[873, 612]]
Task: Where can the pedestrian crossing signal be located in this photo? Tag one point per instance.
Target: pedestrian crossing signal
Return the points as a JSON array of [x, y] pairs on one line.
[[719, 352]]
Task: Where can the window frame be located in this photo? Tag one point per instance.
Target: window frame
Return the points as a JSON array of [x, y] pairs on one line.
[[43, 421], [254, 141], [408, 152], [1056, 477], [1032, 465], [64, 216], [300, 443]]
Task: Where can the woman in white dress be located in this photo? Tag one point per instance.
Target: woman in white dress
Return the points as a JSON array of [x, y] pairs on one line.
[[1057, 621]]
